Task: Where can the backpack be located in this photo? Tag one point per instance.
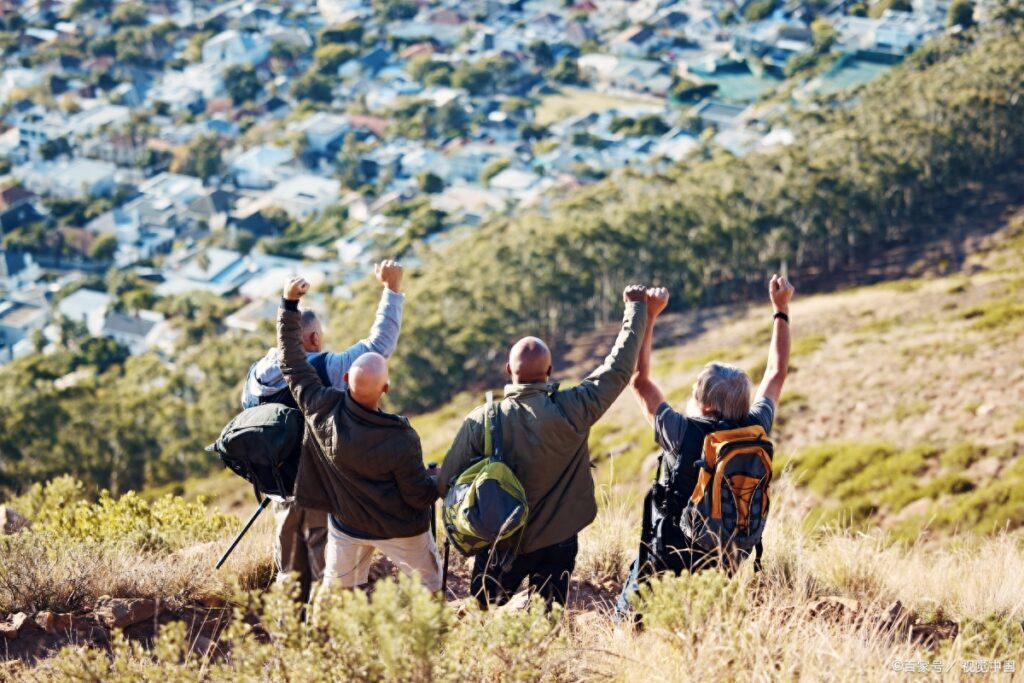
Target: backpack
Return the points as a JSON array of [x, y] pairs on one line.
[[262, 444], [486, 504], [726, 513]]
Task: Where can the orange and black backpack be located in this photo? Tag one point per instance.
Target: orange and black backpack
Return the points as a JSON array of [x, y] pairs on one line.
[[726, 514]]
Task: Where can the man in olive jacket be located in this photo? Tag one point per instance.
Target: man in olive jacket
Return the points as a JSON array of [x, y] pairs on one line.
[[360, 464], [544, 436]]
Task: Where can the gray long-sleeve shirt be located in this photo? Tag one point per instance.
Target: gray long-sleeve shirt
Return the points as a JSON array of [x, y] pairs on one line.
[[265, 378]]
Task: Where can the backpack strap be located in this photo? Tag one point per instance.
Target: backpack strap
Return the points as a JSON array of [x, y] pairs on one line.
[[758, 551], [492, 430]]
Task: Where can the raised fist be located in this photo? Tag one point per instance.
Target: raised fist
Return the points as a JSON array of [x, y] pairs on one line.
[[657, 300], [781, 291], [389, 273], [295, 288], [634, 293]]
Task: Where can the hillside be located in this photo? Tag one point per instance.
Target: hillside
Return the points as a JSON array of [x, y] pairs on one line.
[[906, 394]]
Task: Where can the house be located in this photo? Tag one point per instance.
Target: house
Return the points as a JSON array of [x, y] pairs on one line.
[[467, 204], [17, 269], [138, 332], [305, 195], [213, 208], [188, 89], [17, 322], [262, 167], [721, 114], [38, 125], [254, 316], [220, 271], [17, 208], [69, 178], [514, 183], [324, 131], [468, 161], [232, 47], [631, 42], [903, 31], [87, 307], [579, 32], [367, 65]]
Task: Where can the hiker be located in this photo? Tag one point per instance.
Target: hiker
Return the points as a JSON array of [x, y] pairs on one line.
[[544, 438], [300, 534], [360, 464], [720, 401]]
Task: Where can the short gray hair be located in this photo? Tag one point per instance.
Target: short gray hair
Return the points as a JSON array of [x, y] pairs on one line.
[[308, 320], [725, 389]]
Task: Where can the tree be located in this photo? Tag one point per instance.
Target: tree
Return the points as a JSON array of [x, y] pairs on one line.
[[200, 158], [329, 57], [104, 247], [129, 14], [349, 32], [51, 149], [395, 10], [690, 91], [241, 82], [90, 7], [758, 10], [475, 78], [531, 132], [430, 183], [313, 87], [493, 168], [566, 70], [541, 53], [961, 13]]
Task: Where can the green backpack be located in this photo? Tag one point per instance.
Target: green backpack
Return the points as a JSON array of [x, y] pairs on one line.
[[486, 504]]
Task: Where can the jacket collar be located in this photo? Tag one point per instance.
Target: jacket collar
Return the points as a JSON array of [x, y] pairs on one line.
[[375, 417], [526, 390]]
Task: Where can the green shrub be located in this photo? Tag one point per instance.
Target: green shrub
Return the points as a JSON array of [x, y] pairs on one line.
[[399, 633], [994, 314], [686, 606], [59, 510]]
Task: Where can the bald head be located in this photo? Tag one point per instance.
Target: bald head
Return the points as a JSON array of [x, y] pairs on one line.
[[529, 361], [368, 379]]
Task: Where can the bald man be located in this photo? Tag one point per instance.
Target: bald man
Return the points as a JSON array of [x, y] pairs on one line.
[[360, 464], [544, 438], [300, 534]]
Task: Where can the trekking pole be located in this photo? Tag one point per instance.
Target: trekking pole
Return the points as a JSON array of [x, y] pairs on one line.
[[444, 571], [224, 557]]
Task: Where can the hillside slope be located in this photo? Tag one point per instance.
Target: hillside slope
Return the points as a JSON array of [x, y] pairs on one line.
[[905, 394]]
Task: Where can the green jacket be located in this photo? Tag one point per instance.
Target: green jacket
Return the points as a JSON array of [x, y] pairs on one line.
[[363, 466], [544, 435]]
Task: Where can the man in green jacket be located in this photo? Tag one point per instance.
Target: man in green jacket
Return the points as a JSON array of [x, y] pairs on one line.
[[544, 436], [360, 464]]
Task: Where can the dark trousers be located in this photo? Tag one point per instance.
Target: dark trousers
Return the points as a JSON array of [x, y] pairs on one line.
[[548, 570]]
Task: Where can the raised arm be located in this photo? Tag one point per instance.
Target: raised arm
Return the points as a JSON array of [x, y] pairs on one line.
[[647, 393], [780, 291], [310, 394], [387, 324], [585, 403]]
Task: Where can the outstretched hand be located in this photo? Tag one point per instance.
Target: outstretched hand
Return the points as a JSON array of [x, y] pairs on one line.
[[781, 291], [634, 293], [657, 300], [389, 273], [295, 288]]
